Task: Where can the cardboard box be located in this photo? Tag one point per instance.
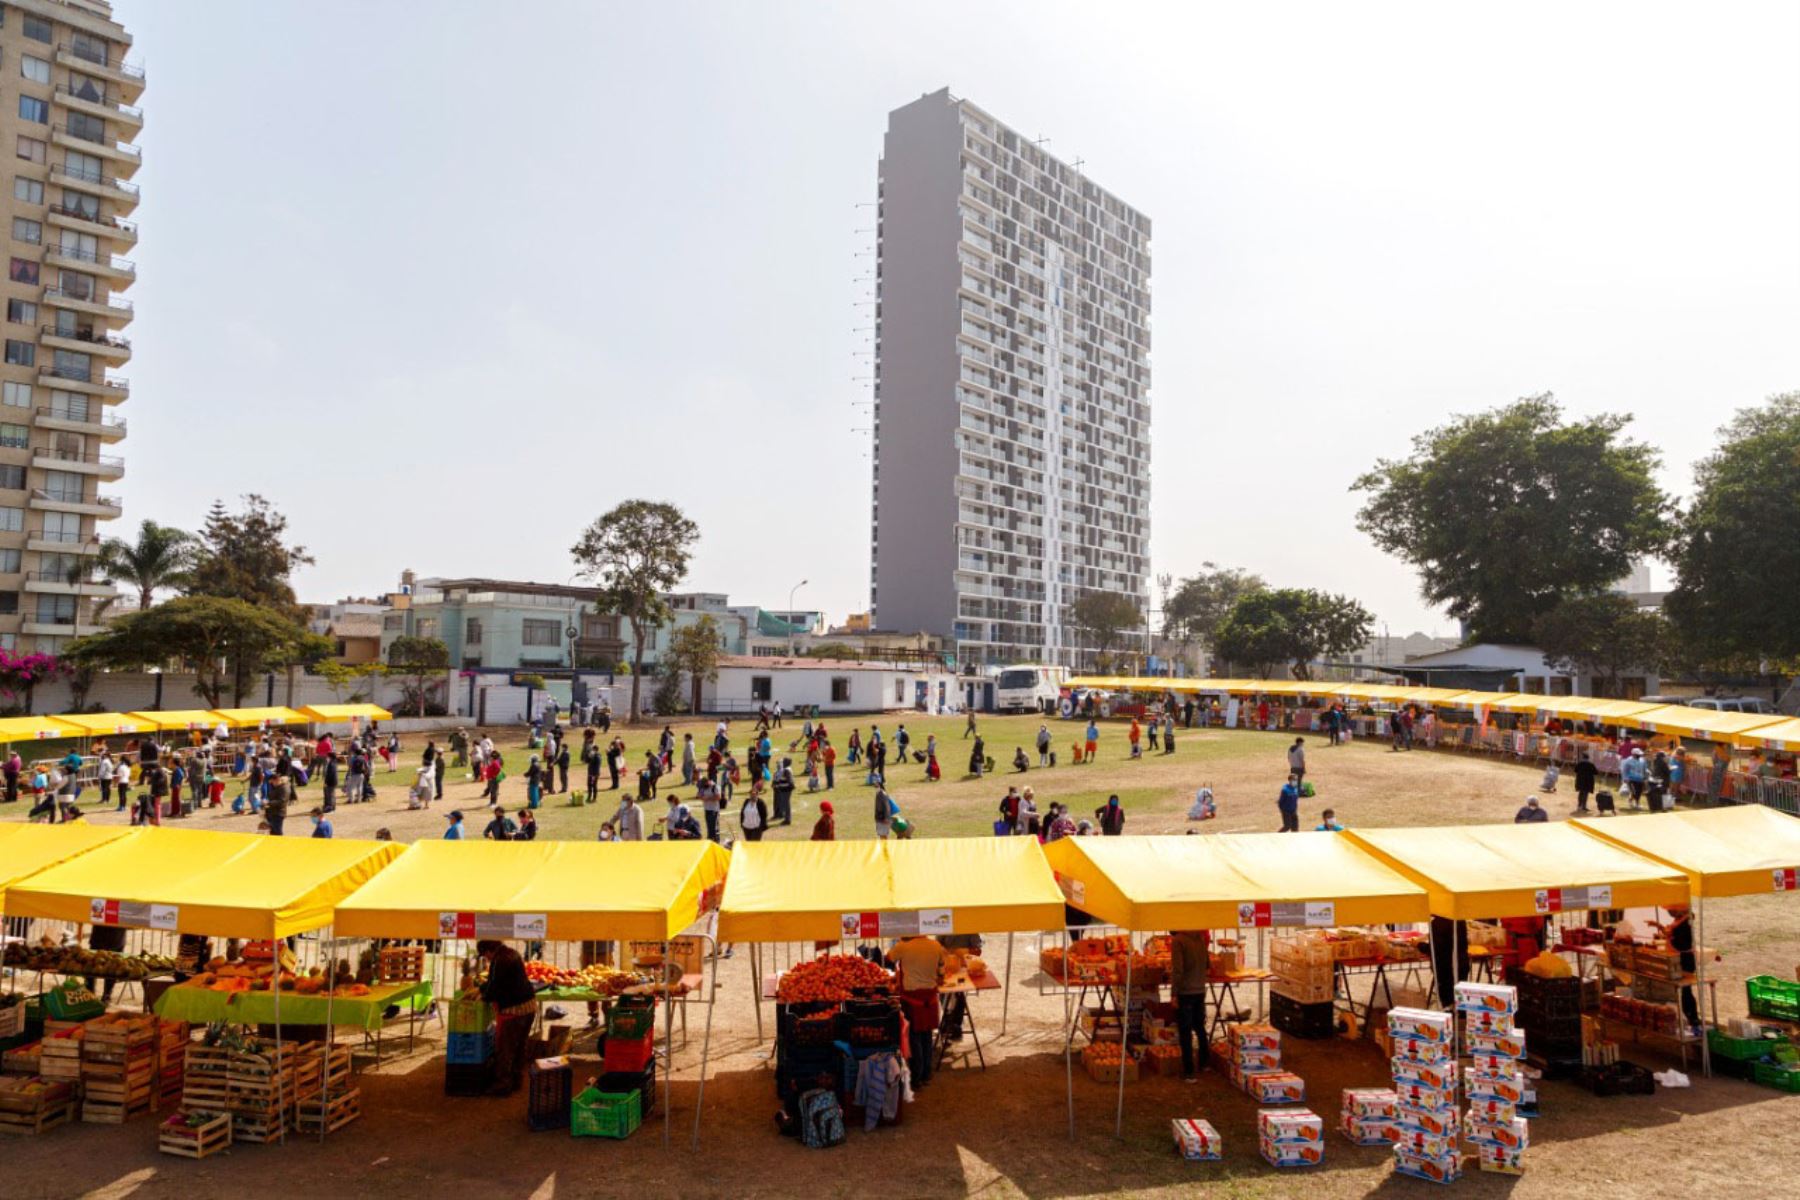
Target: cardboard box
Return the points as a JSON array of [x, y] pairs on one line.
[[1107, 1070], [1492, 1112], [1254, 1036], [1501, 1159], [1439, 1077], [1429, 1145], [1420, 1023], [1497, 998], [1370, 1102], [1436, 1122], [1490, 1088], [1437, 1170], [1512, 1135], [1292, 1154], [1161, 1060], [1478, 1021], [1197, 1140], [1371, 1131], [1289, 1125], [1248, 1058], [1506, 1043], [1276, 1087], [1499, 1066], [1414, 1050]]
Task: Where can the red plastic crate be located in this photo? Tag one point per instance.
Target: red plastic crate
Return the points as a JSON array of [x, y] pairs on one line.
[[632, 1055]]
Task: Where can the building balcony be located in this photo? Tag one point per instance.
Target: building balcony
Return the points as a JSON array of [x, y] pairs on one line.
[[122, 273], [101, 106], [101, 345], [45, 541], [99, 226], [107, 428], [82, 462], [124, 157], [106, 508], [55, 584], [116, 309], [129, 76], [114, 189], [53, 629], [69, 380]]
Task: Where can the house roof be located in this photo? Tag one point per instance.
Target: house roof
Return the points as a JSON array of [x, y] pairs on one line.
[[357, 625], [804, 664]]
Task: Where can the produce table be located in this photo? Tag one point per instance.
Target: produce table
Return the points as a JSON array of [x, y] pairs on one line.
[[1223, 987], [954, 995], [201, 1005]]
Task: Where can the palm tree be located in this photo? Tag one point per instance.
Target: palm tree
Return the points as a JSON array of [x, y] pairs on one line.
[[159, 558]]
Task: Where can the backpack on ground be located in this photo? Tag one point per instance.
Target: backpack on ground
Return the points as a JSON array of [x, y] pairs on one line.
[[1307, 790], [821, 1119]]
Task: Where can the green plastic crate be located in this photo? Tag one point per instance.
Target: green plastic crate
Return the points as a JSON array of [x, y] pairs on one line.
[[1778, 1075], [1773, 998], [1723, 1045], [594, 1113], [469, 1016], [628, 1024]]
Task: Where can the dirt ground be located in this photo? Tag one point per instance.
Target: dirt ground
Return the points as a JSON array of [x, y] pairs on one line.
[[1002, 1131]]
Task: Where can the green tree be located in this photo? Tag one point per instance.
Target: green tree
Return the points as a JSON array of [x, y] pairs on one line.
[[418, 658], [1292, 627], [1201, 601], [204, 634], [1505, 513], [1603, 634], [636, 553], [245, 556], [159, 558], [694, 651], [837, 651], [1736, 559], [345, 679], [1103, 618]]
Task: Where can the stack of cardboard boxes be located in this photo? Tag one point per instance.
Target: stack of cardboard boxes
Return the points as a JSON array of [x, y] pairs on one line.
[[1495, 1078], [1424, 1069], [1252, 1057], [1370, 1116]]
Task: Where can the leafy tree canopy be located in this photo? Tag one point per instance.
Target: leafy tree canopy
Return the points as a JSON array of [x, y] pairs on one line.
[[245, 556], [1505, 513], [203, 634], [1102, 617], [1604, 634], [636, 553], [1292, 627], [159, 558], [1201, 601]]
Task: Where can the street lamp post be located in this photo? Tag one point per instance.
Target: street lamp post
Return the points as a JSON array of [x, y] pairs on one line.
[[790, 615]]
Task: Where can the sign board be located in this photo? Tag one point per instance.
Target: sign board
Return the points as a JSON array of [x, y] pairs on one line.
[[1073, 890], [133, 914], [932, 922], [1553, 900], [1787, 879], [1312, 914], [495, 926]]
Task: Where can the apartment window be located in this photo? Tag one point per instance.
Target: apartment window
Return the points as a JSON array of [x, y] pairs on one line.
[[11, 519], [21, 354], [840, 689], [73, 364], [56, 610], [428, 627], [9, 642], [12, 477], [899, 691], [62, 527], [86, 87], [761, 687], [52, 645], [9, 603], [472, 632], [87, 46], [10, 562], [37, 111], [38, 30], [35, 69], [82, 166], [27, 230], [75, 284], [394, 622], [61, 566], [21, 312], [84, 246], [78, 202], [23, 270], [14, 437], [63, 485], [540, 633], [83, 125], [31, 191], [33, 149], [17, 395], [70, 406]]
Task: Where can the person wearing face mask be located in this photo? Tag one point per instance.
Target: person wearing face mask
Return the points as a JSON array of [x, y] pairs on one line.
[[321, 823]]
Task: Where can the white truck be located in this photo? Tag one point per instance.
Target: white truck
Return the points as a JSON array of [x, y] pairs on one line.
[[1028, 688]]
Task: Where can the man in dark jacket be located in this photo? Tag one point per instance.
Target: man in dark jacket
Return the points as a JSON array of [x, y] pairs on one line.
[[1586, 776], [515, 1007]]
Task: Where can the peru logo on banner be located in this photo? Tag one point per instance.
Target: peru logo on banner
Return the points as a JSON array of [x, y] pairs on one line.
[[1787, 879]]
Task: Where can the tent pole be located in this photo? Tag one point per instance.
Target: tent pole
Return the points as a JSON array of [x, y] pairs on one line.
[[1068, 1035], [668, 1039], [330, 1038], [1700, 982], [1124, 1038], [280, 1091], [756, 987], [1006, 996], [712, 995]]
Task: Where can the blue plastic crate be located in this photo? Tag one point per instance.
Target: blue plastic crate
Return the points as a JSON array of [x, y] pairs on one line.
[[469, 1049]]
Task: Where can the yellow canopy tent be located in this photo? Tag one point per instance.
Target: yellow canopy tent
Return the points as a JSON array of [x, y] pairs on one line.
[[245, 718], [198, 881], [1588, 708], [104, 724], [1516, 702], [30, 729], [1744, 850], [1472, 700], [1705, 723], [1784, 735], [557, 891], [1226, 880], [1474, 872], [27, 849], [346, 712], [798, 891], [183, 718]]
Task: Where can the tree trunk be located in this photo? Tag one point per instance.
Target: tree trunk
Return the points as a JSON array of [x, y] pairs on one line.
[[143, 598], [695, 679], [637, 671], [419, 682]]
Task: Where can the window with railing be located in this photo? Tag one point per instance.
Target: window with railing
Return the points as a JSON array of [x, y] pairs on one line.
[[11, 519], [12, 477], [533, 632], [55, 610]]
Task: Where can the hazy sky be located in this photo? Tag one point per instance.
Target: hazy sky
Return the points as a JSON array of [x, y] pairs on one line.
[[447, 280]]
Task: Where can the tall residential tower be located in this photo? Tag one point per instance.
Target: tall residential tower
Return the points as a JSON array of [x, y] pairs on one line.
[[1012, 380], [66, 111]]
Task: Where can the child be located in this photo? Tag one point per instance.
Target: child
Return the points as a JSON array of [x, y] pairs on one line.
[[1203, 808], [932, 771], [215, 790]]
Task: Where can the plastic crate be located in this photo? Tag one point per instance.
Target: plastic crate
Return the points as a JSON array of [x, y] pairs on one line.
[[799, 1027], [1778, 1075], [871, 1023], [469, 1049], [634, 1055], [469, 1016], [549, 1098], [603, 1114], [1619, 1079], [642, 1082], [1723, 1045], [1774, 998], [1299, 1020], [472, 1080], [629, 1023]]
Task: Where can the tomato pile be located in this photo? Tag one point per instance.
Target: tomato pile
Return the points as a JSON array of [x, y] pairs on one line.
[[833, 977]]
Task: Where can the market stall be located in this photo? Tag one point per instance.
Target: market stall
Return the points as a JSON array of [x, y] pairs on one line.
[[259, 889], [851, 892], [180, 719], [259, 718], [1237, 881], [550, 891], [92, 725], [1738, 851]]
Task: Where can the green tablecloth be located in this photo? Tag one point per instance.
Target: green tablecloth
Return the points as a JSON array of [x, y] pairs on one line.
[[199, 1006]]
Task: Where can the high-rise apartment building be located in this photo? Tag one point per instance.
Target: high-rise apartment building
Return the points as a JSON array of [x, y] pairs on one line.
[[1012, 406], [66, 97]]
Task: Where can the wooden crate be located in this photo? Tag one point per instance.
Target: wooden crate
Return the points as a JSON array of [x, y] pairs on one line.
[[22, 1115], [333, 1113], [60, 1058], [118, 1035], [400, 964], [322, 1063], [22, 1060], [257, 1130], [201, 1141], [114, 1109]]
